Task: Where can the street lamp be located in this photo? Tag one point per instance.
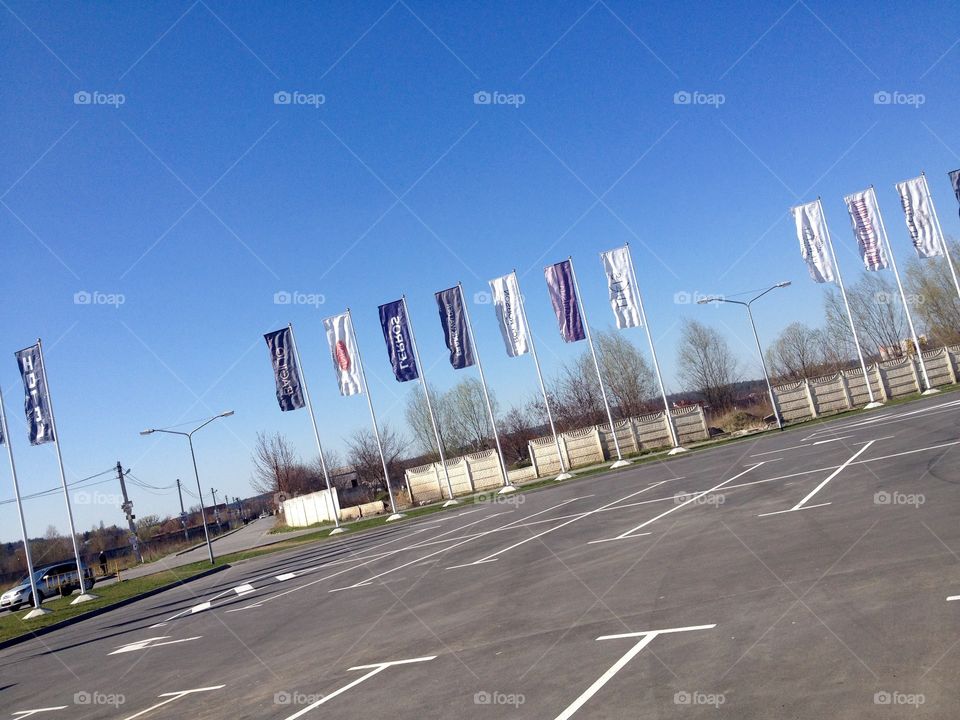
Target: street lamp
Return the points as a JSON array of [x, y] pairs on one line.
[[763, 364], [189, 437]]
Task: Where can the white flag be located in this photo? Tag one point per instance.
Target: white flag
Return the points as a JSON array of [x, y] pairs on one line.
[[623, 294], [812, 233], [343, 351], [918, 212], [865, 216], [506, 301]]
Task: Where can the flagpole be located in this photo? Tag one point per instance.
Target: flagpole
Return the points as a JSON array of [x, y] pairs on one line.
[[677, 448], [853, 328], [38, 610], [84, 596], [507, 487], [564, 472], [946, 246], [426, 393], [928, 390], [613, 431], [373, 417], [316, 433]]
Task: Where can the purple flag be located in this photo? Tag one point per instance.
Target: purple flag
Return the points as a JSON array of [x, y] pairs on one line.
[[564, 299], [396, 333]]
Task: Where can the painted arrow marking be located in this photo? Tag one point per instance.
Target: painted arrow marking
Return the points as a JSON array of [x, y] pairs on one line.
[[150, 643]]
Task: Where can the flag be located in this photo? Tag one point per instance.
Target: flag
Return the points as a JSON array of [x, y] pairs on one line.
[[506, 301], [955, 181], [564, 298], [812, 233], [343, 351], [918, 212], [624, 297], [285, 370], [36, 401], [865, 216], [455, 332], [396, 334]]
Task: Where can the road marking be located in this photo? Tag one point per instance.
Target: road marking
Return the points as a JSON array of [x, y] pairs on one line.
[[645, 639], [818, 488], [375, 669], [200, 608], [493, 556], [244, 589], [28, 713], [888, 418], [149, 644], [173, 697], [953, 597], [694, 498], [286, 576]]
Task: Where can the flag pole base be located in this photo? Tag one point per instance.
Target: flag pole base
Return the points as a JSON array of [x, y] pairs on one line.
[[506, 489], [450, 502], [396, 516], [37, 612], [85, 597], [872, 405], [678, 450], [564, 476], [620, 464], [337, 531], [930, 391]]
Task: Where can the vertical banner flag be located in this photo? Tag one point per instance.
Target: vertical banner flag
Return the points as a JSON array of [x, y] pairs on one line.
[[454, 321], [955, 181], [36, 403], [396, 333], [918, 212], [864, 215], [506, 301], [812, 234], [623, 294], [285, 370], [564, 298], [343, 351]]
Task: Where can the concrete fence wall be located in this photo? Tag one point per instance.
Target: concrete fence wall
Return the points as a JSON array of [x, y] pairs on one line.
[[469, 473], [808, 399], [315, 507]]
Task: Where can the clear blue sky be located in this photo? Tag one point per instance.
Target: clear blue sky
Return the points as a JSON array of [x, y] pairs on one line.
[[199, 198]]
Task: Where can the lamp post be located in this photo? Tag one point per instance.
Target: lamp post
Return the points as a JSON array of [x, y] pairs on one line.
[[763, 364], [196, 474]]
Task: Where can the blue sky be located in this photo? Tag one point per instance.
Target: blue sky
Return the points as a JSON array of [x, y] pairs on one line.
[[198, 198]]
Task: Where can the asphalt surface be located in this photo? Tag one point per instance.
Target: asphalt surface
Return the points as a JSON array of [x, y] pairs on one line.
[[804, 574]]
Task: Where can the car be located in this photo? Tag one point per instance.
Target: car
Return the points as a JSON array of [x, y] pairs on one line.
[[57, 579]]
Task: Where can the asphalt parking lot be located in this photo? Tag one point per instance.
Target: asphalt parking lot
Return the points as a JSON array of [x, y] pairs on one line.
[[806, 574]]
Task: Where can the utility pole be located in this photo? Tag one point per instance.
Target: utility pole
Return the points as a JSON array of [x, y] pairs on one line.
[[216, 510], [183, 513], [127, 508]]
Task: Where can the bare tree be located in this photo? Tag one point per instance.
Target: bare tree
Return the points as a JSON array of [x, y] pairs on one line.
[[935, 300], [706, 364], [466, 416], [364, 456], [877, 312], [517, 427], [277, 469], [630, 381], [418, 420], [798, 352]]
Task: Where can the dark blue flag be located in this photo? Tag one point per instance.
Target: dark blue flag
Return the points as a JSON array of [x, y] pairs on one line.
[[455, 331], [36, 402], [955, 181], [564, 299], [396, 333], [285, 370]]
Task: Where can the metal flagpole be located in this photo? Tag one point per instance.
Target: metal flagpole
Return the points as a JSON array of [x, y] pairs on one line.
[[38, 610], [564, 472], [613, 431], [928, 389], [373, 417], [426, 394], [653, 353], [84, 596], [316, 433], [853, 328], [507, 487], [946, 246]]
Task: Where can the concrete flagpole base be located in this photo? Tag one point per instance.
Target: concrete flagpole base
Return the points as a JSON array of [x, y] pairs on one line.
[[37, 612], [396, 516], [564, 476], [620, 464], [337, 531], [678, 450], [86, 597], [448, 503], [872, 405], [930, 391], [506, 489]]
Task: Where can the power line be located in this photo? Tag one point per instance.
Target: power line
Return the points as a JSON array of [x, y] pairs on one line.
[[54, 490]]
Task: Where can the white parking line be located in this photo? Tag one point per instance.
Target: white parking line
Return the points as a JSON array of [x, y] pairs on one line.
[[149, 644], [27, 713], [953, 597], [173, 697], [286, 576]]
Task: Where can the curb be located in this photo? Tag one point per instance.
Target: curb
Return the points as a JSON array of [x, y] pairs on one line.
[[106, 608]]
